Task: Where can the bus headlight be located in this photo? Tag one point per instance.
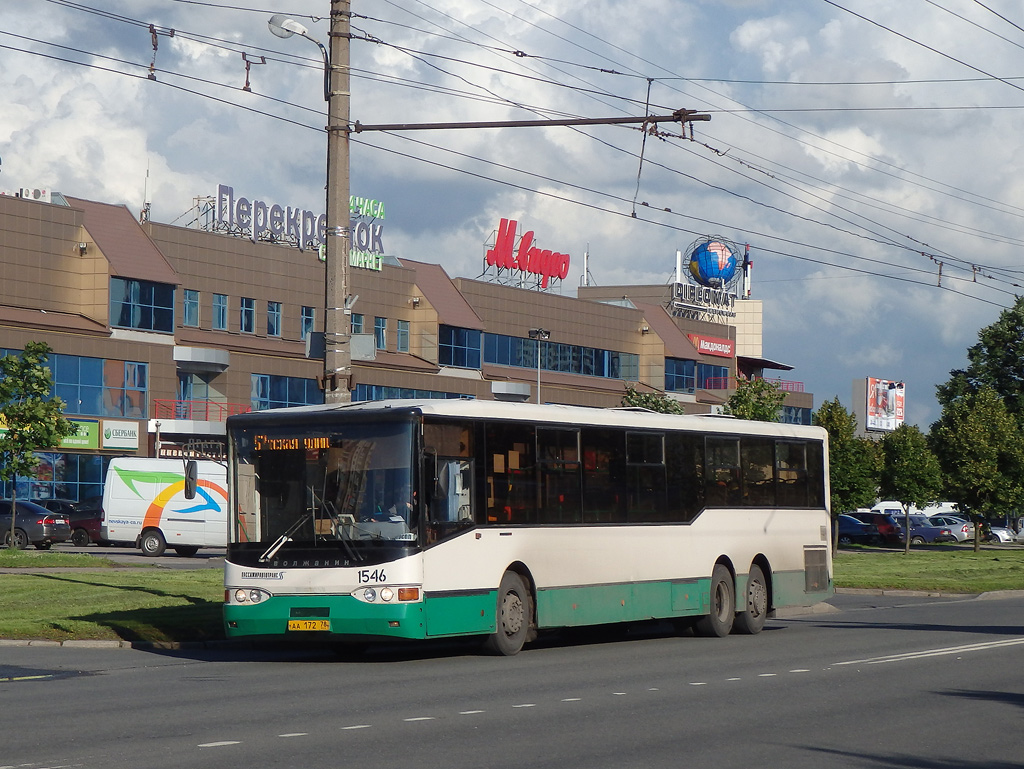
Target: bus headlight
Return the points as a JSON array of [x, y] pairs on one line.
[[249, 595], [385, 594]]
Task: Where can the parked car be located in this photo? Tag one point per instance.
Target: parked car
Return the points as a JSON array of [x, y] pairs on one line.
[[33, 525], [86, 520], [853, 531], [1000, 534], [888, 527], [924, 530], [962, 530]]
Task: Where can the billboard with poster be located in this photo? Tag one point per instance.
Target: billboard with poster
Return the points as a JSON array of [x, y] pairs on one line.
[[885, 404]]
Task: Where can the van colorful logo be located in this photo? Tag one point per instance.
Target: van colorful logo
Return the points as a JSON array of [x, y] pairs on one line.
[[173, 486]]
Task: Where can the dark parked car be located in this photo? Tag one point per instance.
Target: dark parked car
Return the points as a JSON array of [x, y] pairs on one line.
[[85, 519], [852, 531], [924, 530], [33, 525], [890, 529]]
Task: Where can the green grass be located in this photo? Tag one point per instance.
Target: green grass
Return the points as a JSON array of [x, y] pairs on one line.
[[149, 605], [945, 569], [153, 605]]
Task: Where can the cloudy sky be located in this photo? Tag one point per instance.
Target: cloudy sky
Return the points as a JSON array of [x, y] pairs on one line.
[[867, 150]]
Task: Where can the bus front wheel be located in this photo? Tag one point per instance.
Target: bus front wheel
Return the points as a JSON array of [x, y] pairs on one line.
[[514, 613], [718, 623], [751, 620]]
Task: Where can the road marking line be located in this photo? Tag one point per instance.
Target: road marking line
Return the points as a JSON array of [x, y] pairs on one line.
[[573, 699], [419, 718], [800, 670], [471, 712], [934, 652], [356, 726], [295, 734], [698, 683], [218, 744], [767, 675], [526, 705]]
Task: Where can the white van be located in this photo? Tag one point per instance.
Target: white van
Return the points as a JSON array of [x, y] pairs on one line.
[[144, 505]]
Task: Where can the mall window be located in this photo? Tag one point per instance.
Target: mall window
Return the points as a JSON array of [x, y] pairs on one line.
[[711, 377], [308, 321], [270, 391], [357, 323], [142, 305], [402, 336], [504, 350], [459, 347], [247, 316], [680, 375], [77, 477], [191, 314], [220, 312], [380, 333], [365, 392], [100, 388], [273, 319], [795, 415]]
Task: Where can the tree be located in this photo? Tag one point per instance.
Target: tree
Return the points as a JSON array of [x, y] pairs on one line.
[[996, 361], [978, 444], [854, 463], [910, 471], [33, 419], [655, 401], [756, 399]]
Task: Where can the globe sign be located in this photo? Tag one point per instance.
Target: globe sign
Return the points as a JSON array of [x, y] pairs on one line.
[[713, 263]]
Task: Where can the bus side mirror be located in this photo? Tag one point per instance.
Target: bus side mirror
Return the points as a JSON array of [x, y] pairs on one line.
[[191, 478]]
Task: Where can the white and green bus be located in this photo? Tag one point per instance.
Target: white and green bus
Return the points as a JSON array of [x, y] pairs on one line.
[[440, 518]]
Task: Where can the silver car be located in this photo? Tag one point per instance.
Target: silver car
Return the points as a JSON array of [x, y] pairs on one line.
[[961, 529], [33, 525]]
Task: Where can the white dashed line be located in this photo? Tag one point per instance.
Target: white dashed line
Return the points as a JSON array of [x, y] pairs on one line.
[[295, 734], [767, 675], [800, 670], [526, 705], [419, 718], [218, 744], [356, 726], [470, 712], [572, 699], [698, 683]]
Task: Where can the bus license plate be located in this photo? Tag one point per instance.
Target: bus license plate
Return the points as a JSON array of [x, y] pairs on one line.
[[309, 624]]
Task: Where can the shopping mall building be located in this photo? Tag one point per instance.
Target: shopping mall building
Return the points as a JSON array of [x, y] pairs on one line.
[[160, 332]]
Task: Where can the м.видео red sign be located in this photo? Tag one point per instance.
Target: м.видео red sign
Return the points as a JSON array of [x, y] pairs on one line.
[[546, 263]]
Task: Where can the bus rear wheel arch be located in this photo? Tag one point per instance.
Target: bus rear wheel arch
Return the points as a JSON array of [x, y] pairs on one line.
[[514, 616], [152, 543]]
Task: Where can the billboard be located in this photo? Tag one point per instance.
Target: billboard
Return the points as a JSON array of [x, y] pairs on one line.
[[885, 404]]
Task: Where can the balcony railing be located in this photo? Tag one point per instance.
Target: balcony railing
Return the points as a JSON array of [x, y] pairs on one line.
[[729, 383], [197, 411]]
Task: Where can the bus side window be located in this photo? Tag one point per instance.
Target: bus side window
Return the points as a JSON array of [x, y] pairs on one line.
[[722, 482]]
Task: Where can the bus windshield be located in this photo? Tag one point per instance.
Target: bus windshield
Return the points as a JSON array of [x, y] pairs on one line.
[[308, 486]]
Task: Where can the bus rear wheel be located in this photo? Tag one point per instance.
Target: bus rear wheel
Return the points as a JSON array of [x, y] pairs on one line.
[[751, 620], [514, 614], [718, 623]]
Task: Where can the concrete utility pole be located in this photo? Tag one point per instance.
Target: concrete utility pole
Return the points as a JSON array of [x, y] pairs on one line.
[[337, 312]]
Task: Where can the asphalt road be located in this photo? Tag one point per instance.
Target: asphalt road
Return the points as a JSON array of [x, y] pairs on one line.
[[885, 681]]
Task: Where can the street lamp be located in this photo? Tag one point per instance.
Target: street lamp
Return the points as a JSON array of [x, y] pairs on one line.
[[337, 303], [539, 335]]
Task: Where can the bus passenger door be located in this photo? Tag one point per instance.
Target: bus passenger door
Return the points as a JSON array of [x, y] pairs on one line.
[[451, 501]]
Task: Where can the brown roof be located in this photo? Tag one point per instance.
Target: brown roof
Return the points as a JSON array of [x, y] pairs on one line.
[[451, 306], [128, 249], [677, 344], [51, 321]]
